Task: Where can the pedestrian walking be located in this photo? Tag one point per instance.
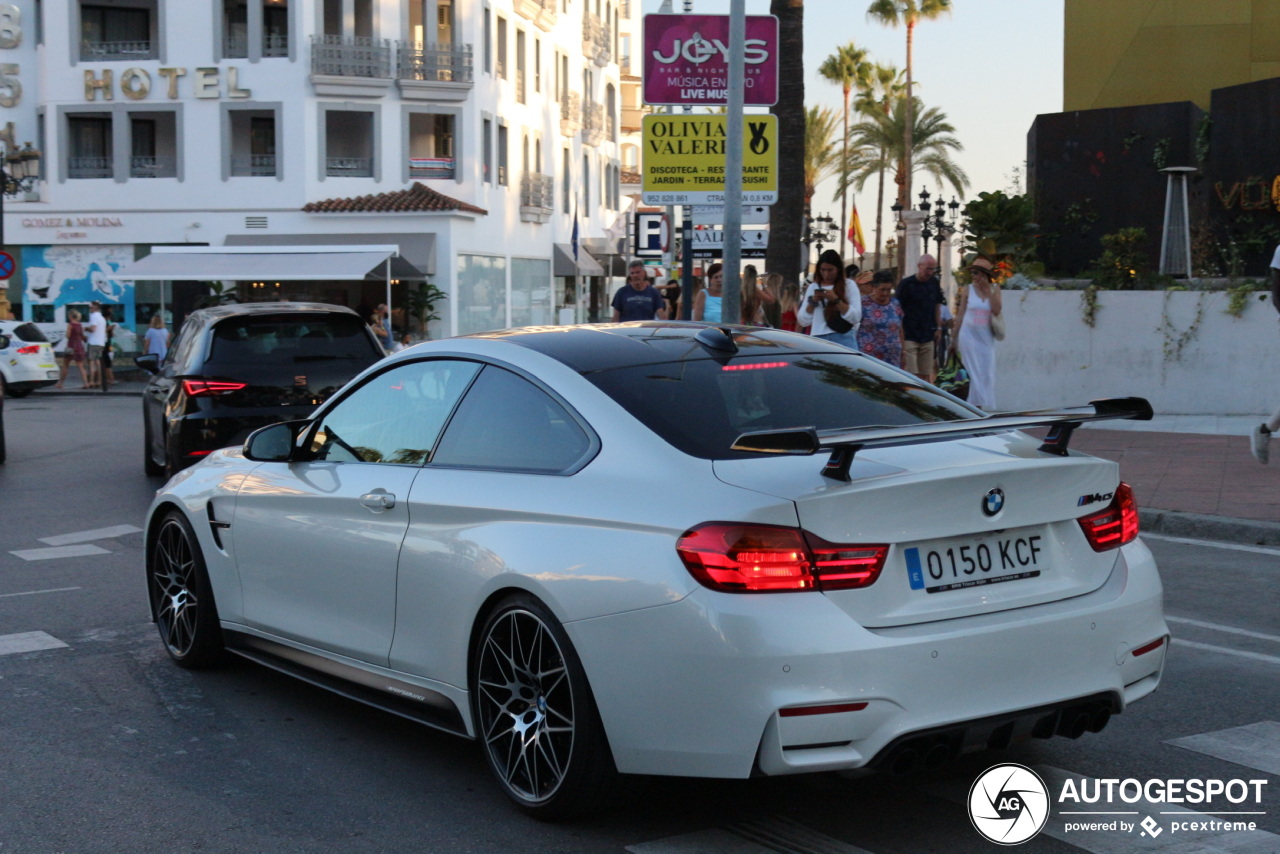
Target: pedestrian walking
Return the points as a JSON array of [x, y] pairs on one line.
[[880, 330], [979, 304], [638, 299], [108, 375], [920, 296], [831, 307], [1260, 439], [96, 332], [788, 305], [706, 305], [755, 298], [380, 323], [73, 352], [156, 339]]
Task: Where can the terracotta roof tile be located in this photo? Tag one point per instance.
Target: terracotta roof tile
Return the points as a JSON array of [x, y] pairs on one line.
[[630, 178], [413, 199]]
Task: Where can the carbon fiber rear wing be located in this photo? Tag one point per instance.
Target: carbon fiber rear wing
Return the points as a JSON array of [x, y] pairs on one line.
[[844, 443]]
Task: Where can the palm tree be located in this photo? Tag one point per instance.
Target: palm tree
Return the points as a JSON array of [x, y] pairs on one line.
[[822, 157], [786, 216], [908, 12], [886, 86], [849, 67], [934, 140]]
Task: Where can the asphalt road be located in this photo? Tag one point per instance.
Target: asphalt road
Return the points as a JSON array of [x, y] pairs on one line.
[[105, 746]]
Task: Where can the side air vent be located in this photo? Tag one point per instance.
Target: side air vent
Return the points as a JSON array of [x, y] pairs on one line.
[[255, 222]]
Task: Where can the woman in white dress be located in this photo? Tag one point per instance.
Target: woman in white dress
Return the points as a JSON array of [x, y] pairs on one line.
[[981, 301]]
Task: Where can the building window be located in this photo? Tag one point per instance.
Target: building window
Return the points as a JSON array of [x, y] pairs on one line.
[[488, 42], [531, 292], [431, 146], [566, 182], [253, 143], [502, 47], [118, 32], [275, 28], [537, 64], [481, 297], [90, 154], [586, 182], [153, 151], [502, 154], [487, 143], [521, 67], [349, 144]]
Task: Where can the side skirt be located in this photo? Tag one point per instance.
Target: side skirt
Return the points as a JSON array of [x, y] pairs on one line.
[[414, 702]]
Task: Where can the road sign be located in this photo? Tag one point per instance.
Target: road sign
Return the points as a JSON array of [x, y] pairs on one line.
[[709, 242], [714, 214], [683, 159], [653, 235], [686, 60], [7, 265]]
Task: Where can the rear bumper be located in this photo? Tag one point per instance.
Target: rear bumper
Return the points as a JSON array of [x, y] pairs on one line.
[[695, 688]]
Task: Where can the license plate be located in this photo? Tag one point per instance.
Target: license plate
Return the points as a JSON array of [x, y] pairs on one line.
[[959, 565]]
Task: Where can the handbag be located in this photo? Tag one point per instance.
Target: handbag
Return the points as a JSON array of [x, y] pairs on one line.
[[954, 378], [835, 320], [997, 327]]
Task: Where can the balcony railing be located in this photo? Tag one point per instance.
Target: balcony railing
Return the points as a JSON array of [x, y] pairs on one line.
[[153, 166], [593, 124], [102, 51], [253, 166], [541, 12], [350, 56], [90, 167], [436, 63], [432, 167], [596, 40], [235, 47], [624, 8], [275, 44], [537, 191], [349, 167], [570, 113]]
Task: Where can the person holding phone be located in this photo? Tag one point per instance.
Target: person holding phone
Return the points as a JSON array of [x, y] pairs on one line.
[[831, 306]]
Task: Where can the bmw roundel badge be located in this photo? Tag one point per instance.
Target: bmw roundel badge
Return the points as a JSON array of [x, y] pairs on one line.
[[993, 501]]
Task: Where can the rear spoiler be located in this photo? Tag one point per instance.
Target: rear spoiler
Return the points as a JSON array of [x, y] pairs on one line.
[[844, 443]]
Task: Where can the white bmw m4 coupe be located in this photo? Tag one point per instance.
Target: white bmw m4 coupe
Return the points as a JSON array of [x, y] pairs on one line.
[[670, 548]]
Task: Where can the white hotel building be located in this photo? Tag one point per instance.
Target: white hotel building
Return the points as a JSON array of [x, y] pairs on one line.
[[468, 133]]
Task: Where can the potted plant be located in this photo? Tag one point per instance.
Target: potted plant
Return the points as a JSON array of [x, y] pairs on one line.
[[422, 304]]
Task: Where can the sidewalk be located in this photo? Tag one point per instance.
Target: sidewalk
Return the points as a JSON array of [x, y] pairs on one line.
[[1193, 475]]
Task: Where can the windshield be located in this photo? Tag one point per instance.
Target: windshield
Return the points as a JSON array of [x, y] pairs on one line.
[[703, 406], [290, 339], [28, 332]]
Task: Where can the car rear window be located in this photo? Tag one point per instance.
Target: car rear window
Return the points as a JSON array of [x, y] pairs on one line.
[[702, 406], [309, 338], [29, 332]]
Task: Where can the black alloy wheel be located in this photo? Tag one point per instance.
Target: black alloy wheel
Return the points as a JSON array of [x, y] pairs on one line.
[[181, 597], [535, 715]]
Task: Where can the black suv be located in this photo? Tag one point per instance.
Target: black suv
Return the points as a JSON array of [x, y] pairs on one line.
[[234, 368]]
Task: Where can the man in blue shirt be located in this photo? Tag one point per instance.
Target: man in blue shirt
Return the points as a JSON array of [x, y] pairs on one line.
[[637, 299]]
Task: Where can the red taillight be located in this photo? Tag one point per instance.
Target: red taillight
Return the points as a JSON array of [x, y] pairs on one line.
[[1115, 526], [199, 388], [29, 350], [740, 558], [833, 709], [1148, 647]]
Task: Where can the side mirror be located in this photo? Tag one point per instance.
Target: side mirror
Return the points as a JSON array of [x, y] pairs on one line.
[[149, 363], [274, 443]]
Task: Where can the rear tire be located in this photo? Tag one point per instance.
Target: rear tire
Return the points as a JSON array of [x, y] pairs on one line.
[[536, 718], [181, 596]]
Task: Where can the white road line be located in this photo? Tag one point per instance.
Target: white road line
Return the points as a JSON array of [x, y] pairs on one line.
[[37, 592], [750, 837], [59, 552], [1253, 746], [29, 642], [1256, 656], [87, 536], [1262, 550], [1231, 630]]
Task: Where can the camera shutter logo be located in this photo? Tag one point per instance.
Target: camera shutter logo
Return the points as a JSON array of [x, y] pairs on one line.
[[1009, 804]]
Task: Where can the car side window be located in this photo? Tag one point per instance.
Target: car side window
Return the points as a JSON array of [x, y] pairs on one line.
[[395, 416], [507, 423]]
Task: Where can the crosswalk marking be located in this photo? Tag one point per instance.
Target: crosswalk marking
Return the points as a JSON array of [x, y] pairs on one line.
[[776, 834], [1211, 544], [87, 536], [59, 552], [1217, 627], [1226, 650], [1253, 746], [37, 592], [29, 642]]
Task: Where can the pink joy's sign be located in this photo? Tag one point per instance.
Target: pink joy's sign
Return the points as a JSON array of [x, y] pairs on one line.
[[686, 60]]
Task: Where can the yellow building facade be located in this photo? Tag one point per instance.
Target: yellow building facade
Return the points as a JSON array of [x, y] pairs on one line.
[[1121, 53]]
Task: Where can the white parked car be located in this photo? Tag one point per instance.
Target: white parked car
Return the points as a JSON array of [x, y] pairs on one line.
[[28, 362], [670, 548]]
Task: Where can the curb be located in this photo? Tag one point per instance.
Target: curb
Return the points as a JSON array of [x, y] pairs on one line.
[[1172, 523]]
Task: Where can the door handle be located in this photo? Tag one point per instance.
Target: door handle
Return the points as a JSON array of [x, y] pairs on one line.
[[378, 500]]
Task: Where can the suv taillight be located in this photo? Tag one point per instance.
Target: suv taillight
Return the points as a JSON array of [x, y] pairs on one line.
[[1115, 526], [209, 388], [741, 558], [29, 350]]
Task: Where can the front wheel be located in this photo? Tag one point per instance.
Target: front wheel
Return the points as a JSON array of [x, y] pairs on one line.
[[181, 596], [536, 717]]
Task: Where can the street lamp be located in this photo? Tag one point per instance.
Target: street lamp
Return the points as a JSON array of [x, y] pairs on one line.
[[821, 230]]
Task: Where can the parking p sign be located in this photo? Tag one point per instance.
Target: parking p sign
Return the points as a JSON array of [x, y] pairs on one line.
[[653, 235]]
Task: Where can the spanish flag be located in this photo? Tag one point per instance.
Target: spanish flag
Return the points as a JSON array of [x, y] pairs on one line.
[[855, 232]]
